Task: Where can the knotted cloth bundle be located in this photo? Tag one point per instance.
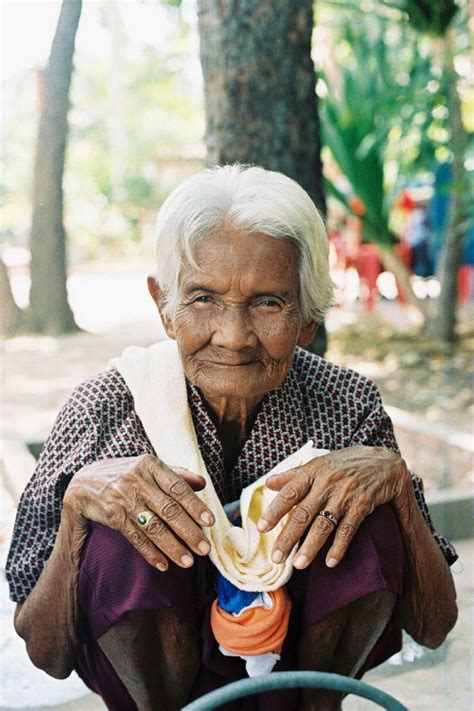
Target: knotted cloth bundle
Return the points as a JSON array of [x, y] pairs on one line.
[[257, 629], [242, 554]]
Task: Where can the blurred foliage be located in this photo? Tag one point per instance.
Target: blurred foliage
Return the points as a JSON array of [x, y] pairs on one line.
[[385, 118], [432, 18], [355, 124], [163, 125], [384, 109]]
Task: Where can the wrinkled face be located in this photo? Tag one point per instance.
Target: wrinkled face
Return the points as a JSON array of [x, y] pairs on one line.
[[238, 318]]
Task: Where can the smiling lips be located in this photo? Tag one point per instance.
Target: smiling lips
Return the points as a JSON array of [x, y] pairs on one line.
[[230, 365]]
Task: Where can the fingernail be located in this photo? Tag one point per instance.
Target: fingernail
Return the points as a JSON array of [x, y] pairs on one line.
[[187, 561], [301, 561], [207, 518], [277, 556], [332, 562], [162, 566], [204, 547], [263, 525]]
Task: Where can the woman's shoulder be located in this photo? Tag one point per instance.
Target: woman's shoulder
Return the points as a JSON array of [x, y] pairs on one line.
[[106, 391], [322, 377]]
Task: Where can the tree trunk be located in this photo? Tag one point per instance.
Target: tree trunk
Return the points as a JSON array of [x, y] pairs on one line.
[[49, 308], [451, 252], [259, 89], [11, 314]]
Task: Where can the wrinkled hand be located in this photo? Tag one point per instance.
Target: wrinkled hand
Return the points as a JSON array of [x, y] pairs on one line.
[[114, 491], [350, 483]]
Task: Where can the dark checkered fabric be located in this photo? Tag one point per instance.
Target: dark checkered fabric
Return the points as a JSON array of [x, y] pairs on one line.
[[318, 400]]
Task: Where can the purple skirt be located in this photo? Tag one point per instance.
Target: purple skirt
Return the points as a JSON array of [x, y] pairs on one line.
[[114, 579]]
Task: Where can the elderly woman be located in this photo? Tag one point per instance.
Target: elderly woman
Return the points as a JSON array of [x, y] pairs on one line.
[[111, 556]]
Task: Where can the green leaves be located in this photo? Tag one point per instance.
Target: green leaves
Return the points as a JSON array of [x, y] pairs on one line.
[[356, 132], [431, 17], [384, 113]]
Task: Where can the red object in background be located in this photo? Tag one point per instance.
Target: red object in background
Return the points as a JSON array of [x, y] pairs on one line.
[[356, 205], [369, 267], [404, 253], [405, 202], [466, 284]]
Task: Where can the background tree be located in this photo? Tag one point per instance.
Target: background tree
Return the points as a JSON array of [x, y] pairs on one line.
[[49, 310], [259, 89], [435, 23]]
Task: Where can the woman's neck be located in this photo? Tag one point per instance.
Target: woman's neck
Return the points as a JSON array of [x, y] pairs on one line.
[[237, 414], [233, 418]]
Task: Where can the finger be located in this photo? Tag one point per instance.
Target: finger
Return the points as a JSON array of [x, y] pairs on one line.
[[162, 538], [298, 521], [290, 495], [172, 513], [314, 541], [195, 481], [277, 481], [145, 547], [178, 488], [344, 534]]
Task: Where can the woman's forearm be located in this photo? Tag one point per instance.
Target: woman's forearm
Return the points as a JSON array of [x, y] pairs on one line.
[[427, 610], [48, 619]]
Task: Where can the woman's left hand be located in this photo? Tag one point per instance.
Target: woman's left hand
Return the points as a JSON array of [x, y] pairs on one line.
[[349, 483]]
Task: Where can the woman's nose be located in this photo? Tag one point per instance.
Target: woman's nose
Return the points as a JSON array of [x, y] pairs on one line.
[[234, 330]]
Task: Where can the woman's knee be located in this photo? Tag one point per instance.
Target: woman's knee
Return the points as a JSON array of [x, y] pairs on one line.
[[342, 641], [156, 656], [115, 579]]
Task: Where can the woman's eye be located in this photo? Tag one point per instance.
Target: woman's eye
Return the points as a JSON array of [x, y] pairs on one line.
[[270, 303], [203, 299]]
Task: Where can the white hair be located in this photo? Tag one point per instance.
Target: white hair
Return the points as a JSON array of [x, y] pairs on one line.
[[250, 200]]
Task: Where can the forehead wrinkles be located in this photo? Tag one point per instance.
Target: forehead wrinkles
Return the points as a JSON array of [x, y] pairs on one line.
[[245, 263]]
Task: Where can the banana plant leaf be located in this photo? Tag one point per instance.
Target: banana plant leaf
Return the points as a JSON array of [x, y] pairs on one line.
[[352, 128]]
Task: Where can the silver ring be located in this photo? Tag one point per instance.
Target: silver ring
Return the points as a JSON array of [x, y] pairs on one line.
[[329, 516], [144, 518]]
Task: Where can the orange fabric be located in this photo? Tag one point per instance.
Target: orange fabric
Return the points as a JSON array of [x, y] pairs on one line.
[[256, 630]]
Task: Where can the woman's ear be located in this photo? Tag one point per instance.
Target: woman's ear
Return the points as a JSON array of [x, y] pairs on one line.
[[158, 297], [307, 334]]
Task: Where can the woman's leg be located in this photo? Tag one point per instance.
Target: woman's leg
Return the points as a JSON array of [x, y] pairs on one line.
[[141, 644], [341, 643], [156, 656]]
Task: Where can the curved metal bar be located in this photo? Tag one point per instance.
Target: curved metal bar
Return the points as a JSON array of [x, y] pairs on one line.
[[293, 680]]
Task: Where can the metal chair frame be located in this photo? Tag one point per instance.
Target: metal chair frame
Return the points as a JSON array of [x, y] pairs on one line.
[[294, 680]]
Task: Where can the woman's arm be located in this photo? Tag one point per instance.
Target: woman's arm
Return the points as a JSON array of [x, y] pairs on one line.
[[427, 610], [48, 619], [111, 492]]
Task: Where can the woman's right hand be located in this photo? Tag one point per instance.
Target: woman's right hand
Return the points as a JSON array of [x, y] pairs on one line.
[[114, 491]]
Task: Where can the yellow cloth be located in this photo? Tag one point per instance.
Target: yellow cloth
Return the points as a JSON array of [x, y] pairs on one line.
[[156, 380]]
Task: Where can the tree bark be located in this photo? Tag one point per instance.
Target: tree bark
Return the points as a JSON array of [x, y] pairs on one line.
[[259, 90], [49, 308]]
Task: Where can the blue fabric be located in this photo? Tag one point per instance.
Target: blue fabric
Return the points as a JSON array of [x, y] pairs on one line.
[[230, 598]]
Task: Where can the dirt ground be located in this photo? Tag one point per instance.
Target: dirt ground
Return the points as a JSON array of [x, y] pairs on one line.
[[413, 373]]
